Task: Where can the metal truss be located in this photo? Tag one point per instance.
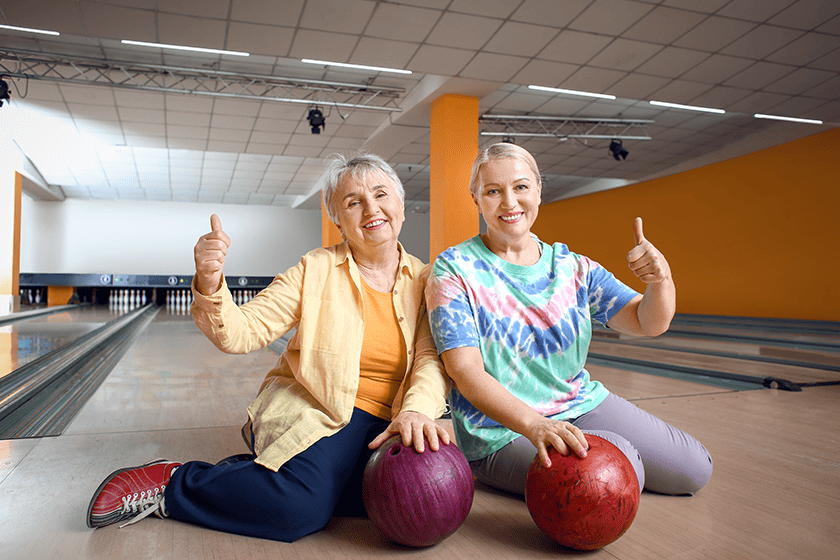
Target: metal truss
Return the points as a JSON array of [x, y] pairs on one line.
[[193, 81], [563, 128]]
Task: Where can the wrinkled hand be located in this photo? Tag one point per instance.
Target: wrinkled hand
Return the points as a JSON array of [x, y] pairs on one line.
[[413, 426], [645, 260], [209, 252], [562, 436]]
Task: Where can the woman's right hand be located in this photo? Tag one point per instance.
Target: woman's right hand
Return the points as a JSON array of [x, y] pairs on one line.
[[562, 436], [209, 252]]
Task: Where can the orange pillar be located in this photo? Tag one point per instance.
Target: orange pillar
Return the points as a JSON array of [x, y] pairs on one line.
[[329, 232], [59, 295], [11, 183], [453, 216]]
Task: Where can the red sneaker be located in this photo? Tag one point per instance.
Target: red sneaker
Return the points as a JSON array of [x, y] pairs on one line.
[[131, 493]]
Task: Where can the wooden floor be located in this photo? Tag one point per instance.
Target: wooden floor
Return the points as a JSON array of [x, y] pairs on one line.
[[774, 494]]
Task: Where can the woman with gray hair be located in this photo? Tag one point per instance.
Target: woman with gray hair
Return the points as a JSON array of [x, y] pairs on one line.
[[360, 368]]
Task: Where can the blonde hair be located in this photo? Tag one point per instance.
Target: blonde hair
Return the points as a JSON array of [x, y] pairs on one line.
[[502, 150]]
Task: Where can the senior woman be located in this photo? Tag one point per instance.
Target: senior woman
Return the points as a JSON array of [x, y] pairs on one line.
[[361, 367], [511, 318]]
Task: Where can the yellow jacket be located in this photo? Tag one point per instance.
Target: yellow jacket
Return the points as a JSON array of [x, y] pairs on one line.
[[311, 391]]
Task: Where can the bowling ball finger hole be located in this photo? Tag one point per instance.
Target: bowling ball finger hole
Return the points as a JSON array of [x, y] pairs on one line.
[[394, 451]]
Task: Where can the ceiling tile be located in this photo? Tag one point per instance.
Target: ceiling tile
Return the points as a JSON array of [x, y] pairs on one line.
[[717, 69], [538, 72], [826, 90], [714, 33], [680, 91], [799, 81], [344, 16], [490, 8], [321, 45], [754, 11], [664, 25], [44, 14], [207, 8], [87, 95], [831, 62], [382, 52], [498, 67], [189, 103], [721, 97], [192, 119], [574, 47], [442, 61], [595, 80], [759, 75], [401, 23], [522, 39], [807, 14], [259, 39], [610, 17], [624, 54], [237, 107], [130, 114], [139, 99], [463, 31], [266, 11], [762, 41], [672, 62], [759, 102], [95, 113], [806, 49], [831, 27], [228, 135], [188, 132], [117, 22], [555, 13], [188, 30]]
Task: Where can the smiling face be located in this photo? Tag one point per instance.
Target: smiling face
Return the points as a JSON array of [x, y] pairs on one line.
[[508, 196], [369, 210]]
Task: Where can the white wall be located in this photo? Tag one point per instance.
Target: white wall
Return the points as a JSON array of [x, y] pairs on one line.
[[138, 237]]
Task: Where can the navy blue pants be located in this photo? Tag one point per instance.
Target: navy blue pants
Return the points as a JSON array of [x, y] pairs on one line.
[[246, 498]]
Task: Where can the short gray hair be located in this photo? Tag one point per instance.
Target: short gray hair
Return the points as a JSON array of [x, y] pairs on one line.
[[502, 150], [357, 165]]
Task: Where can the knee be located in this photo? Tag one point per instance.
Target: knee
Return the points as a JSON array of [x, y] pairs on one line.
[[692, 475]]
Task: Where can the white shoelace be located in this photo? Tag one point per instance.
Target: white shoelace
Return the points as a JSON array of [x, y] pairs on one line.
[[146, 503]]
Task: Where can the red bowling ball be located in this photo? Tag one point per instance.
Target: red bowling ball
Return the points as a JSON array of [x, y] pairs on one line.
[[584, 503], [417, 499]]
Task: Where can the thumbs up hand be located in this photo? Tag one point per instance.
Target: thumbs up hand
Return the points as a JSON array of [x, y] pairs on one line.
[[645, 260], [209, 252]]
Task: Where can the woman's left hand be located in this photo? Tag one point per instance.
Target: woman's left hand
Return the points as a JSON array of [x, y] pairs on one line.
[[414, 427]]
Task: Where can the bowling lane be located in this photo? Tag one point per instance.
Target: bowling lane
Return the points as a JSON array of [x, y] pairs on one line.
[[31, 338]]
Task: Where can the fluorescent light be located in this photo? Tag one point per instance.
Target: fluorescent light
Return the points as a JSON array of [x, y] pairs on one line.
[[573, 92], [183, 48], [356, 66], [791, 119], [687, 107], [29, 30]]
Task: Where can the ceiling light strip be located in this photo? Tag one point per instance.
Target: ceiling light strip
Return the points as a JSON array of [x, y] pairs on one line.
[[791, 119], [572, 92], [355, 66], [29, 30], [687, 107], [183, 48]]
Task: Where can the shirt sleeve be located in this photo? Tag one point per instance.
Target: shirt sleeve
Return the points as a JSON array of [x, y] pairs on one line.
[[451, 313], [607, 294]]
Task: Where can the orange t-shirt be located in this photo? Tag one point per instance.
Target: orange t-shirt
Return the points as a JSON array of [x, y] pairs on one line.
[[384, 356]]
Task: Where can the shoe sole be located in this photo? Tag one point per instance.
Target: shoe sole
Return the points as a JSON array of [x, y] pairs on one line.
[[113, 517]]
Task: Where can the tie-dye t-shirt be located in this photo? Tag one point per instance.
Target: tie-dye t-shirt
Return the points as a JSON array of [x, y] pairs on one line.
[[532, 324]]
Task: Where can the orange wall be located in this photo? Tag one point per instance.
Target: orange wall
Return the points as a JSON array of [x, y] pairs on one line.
[[754, 236]]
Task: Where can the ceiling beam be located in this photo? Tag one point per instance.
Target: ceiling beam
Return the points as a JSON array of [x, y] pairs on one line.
[[563, 128]]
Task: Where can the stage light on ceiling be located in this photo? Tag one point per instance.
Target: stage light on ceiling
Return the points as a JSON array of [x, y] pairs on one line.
[[356, 66], [687, 107], [29, 30], [573, 92], [183, 48], [791, 119], [4, 90], [618, 151], [316, 119]]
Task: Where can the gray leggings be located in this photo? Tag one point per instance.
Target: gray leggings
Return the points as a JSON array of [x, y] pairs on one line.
[[666, 460]]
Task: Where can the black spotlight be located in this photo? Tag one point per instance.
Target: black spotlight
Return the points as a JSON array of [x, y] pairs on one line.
[[316, 120], [508, 140], [4, 90], [617, 151]]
